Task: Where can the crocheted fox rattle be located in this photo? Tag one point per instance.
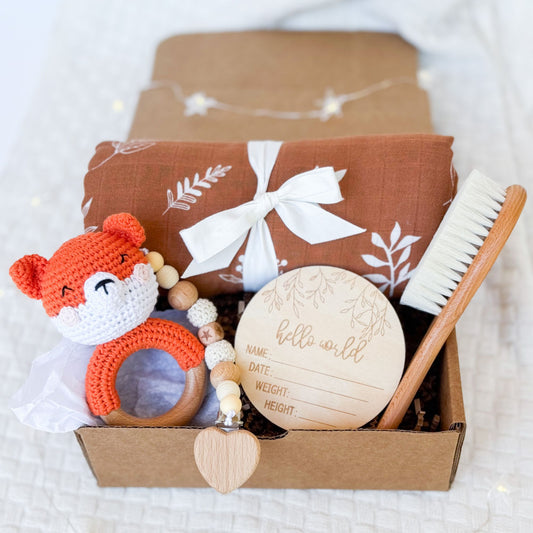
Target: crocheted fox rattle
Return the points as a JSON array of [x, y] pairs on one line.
[[99, 289]]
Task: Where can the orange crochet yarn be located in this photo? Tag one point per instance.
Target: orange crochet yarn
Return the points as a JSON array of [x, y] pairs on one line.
[[59, 282], [99, 290], [103, 367]]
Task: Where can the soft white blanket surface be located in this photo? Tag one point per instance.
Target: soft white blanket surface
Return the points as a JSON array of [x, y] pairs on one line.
[[475, 57]]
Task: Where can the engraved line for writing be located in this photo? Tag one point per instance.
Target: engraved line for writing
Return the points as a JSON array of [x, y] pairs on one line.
[[324, 407], [324, 374], [315, 421], [323, 390]]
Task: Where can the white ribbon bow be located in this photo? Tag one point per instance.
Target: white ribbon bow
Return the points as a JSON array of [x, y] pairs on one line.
[[214, 241]]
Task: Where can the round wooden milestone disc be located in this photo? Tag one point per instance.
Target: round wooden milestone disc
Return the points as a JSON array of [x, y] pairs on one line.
[[320, 348]]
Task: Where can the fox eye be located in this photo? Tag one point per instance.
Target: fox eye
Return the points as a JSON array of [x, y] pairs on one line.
[[65, 288], [123, 258]]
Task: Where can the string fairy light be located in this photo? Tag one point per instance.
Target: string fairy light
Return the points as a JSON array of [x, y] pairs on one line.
[[330, 105]]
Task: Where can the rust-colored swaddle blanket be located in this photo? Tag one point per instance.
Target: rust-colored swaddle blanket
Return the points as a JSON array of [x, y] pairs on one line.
[[396, 188]]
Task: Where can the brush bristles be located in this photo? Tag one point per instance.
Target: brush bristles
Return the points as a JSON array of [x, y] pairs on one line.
[[455, 244]]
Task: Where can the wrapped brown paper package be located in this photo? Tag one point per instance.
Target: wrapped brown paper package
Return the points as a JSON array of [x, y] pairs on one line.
[[397, 179], [287, 72]]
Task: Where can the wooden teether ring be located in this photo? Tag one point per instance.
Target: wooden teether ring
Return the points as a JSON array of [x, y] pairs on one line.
[[170, 337], [179, 415]]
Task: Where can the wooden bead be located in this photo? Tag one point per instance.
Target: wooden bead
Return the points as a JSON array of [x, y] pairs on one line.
[[226, 388], [210, 333], [231, 403], [183, 295], [225, 371], [156, 260], [167, 276]]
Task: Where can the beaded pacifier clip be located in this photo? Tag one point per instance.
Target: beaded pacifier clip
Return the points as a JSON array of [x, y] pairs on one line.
[[226, 455]]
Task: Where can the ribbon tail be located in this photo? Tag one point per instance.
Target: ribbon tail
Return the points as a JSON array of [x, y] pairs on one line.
[[218, 261], [320, 185], [260, 264], [313, 224]]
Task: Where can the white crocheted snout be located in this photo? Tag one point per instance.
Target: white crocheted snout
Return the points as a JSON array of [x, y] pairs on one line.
[[112, 307]]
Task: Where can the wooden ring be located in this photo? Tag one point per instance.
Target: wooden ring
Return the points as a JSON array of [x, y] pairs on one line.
[[179, 415], [181, 344]]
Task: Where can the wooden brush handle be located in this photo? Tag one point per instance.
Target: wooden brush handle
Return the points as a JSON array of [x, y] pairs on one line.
[[443, 324]]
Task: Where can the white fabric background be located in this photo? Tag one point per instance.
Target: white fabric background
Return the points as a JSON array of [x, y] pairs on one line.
[[477, 56]]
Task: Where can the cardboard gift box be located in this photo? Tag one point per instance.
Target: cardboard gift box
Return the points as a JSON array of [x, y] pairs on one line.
[[300, 459], [300, 67]]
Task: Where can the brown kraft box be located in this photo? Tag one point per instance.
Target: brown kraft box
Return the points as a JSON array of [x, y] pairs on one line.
[[283, 72], [356, 459], [302, 459]]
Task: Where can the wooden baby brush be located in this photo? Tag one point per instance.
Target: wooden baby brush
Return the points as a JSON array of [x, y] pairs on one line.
[[464, 248]]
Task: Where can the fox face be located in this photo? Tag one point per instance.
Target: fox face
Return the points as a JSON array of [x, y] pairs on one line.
[[97, 286]]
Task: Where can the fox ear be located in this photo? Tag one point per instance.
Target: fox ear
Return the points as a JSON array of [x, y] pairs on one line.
[[126, 226], [27, 273]]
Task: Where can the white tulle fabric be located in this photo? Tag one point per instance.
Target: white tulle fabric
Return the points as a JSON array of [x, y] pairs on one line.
[[149, 383]]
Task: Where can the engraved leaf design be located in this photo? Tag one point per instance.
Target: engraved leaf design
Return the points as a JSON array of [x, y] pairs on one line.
[[323, 287], [294, 286], [273, 297]]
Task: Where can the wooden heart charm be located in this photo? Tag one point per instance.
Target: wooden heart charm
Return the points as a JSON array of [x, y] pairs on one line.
[[226, 459]]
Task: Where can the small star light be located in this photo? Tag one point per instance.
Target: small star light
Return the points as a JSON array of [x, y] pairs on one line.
[[198, 104], [118, 106], [424, 78], [500, 495], [331, 105]]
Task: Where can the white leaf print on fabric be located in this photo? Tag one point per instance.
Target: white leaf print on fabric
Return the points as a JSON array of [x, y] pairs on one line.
[[373, 261], [378, 241], [85, 208], [125, 148], [232, 278], [393, 264], [187, 192]]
